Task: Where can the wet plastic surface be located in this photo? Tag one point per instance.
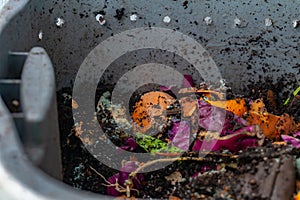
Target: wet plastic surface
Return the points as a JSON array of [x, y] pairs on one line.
[[243, 53], [243, 46]]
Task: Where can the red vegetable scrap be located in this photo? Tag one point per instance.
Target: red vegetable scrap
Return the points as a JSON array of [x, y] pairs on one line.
[[168, 88], [129, 144], [122, 176], [180, 135], [188, 81], [227, 130], [212, 118], [294, 141], [241, 139]]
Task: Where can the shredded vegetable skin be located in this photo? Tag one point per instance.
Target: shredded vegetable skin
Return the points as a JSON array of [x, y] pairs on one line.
[[207, 93], [266, 121], [151, 105], [174, 198], [258, 106], [237, 106], [188, 106], [272, 125]]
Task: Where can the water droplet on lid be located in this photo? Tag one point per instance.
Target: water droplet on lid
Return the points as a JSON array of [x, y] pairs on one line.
[[100, 19], [268, 22], [133, 17], [296, 23], [40, 35], [167, 19], [208, 20], [237, 22], [59, 22]]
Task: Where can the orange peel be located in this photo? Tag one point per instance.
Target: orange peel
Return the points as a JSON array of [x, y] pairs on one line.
[[188, 106], [258, 106], [297, 197], [266, 121], [272, 125], [237, 106], [150, 105]]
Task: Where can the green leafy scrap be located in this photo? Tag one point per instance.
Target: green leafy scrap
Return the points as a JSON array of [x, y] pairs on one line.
[[293, 94], [154, 145]]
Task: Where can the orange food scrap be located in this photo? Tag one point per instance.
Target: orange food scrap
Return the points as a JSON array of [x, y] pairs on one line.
[[150, 105], [123, 197], [286, 125], [237, 106], [188, 106], [174, 198], [297, 197], [74, 104], [272, 125], [280, 143], [266, 121], [258, 106]]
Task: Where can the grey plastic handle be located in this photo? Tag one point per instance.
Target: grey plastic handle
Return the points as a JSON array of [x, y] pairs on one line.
[[38, 100], [38, 85], [19, 179]]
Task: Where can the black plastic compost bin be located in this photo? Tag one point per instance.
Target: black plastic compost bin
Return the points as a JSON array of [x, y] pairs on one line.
[[43, 44]]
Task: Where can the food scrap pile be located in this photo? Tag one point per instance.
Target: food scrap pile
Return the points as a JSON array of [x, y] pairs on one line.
[[184, 123]]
